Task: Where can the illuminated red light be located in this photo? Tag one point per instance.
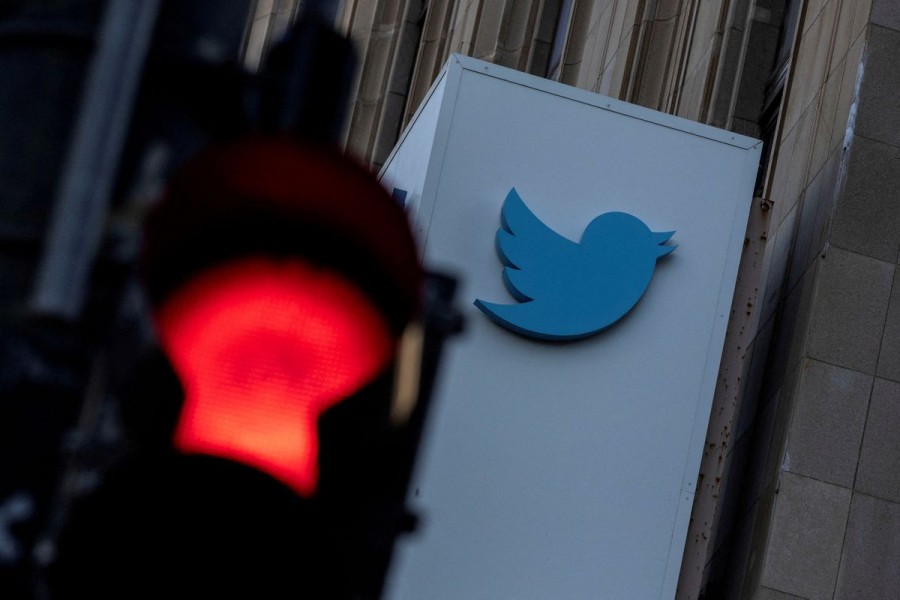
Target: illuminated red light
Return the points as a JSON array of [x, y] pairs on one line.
[[262, 348]]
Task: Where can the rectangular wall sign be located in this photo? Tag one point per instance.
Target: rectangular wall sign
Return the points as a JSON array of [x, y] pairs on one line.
[[597, 244]]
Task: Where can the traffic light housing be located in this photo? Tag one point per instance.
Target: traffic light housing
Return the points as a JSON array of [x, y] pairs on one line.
[[280, 273], [269, 454]]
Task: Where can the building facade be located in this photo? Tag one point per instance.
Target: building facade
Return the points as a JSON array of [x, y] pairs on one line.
[[799, 491]]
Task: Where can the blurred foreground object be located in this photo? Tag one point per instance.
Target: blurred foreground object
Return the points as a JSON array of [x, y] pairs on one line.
[[243, 410], [284, 281]]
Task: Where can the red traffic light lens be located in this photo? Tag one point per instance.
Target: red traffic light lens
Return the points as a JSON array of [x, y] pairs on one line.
[[262, 348]]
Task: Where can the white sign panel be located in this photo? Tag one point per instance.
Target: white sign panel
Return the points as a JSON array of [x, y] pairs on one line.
[[558, 465]]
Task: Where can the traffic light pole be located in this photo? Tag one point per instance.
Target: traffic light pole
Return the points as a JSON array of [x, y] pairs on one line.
[[325, 10], [92, 162], [306, 78]]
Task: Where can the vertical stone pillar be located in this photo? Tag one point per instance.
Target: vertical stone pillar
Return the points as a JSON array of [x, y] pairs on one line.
[[820, 509]]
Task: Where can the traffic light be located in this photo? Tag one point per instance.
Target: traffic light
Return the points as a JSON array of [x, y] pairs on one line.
[[272, 426], [282, 277], [273, 442]]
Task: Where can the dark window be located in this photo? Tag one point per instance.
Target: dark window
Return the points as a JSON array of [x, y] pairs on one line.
[[561, 35], [768, 122]]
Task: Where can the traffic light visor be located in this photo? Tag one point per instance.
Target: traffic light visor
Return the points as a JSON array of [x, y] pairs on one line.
[[275, 196]]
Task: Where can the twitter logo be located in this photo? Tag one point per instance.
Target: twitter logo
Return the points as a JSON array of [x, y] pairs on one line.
[[568, 290]]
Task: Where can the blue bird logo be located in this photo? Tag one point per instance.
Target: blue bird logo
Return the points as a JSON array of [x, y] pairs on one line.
[[568, 290]]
